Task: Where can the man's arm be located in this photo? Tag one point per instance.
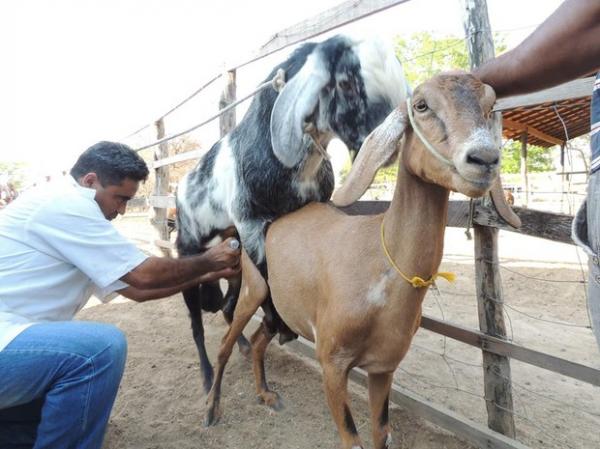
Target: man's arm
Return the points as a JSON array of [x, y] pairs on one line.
[[161, 273], [141, 295], [564, 47]]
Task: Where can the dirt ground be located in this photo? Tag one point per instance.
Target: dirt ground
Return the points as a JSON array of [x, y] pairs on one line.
[[161, 403]]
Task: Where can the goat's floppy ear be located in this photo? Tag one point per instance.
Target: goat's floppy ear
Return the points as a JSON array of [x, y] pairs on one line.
[[502, 206], [295, 103], [377, 149]]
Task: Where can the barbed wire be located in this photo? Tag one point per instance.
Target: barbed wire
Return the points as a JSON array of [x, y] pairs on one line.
[[544, 430], [495, 300], [519, 389], [439, 293], [569, 156], [276, 35], [421, 379], [174, 108], [498, 373], [274, 82], [461, 41], [560, 281]]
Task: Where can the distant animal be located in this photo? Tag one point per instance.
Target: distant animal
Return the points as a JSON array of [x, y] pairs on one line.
[[354, 285], [274, 161], [510, 199]]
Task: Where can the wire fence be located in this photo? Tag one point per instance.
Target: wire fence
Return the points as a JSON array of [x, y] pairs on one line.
[[211, 80], [541, 412]]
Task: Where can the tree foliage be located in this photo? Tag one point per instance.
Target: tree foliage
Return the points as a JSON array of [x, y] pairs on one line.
[[424, 55], [539, 159]]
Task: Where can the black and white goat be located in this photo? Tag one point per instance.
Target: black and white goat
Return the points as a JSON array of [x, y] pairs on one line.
[[273, 162]]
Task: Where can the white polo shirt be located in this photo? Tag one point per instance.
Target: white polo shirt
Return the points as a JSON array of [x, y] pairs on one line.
[[56, 250]]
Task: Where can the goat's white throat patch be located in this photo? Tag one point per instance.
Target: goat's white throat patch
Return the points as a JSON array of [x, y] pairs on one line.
[[376, 292]]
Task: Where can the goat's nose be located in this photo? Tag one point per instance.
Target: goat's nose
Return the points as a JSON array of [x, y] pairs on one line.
[[485, 158]]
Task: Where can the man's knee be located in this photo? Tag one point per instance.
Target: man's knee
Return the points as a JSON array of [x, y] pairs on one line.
[[113, 348], [103, 344]]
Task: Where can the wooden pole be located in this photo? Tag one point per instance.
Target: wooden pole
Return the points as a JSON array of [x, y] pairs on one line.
[[562, 177], [227, 121], [496, 368], [524, 180], [161, 186]]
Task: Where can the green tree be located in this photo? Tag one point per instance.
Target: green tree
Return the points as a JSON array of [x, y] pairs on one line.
[[538, 158], [424, 55]]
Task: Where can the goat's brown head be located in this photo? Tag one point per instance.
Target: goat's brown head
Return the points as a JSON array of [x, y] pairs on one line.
[[450, 116]]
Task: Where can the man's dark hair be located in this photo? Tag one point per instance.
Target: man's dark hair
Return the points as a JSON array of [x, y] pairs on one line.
[[113, 162]]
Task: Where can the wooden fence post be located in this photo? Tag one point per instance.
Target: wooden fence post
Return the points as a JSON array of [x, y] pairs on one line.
[[227, 121], [496, 368], [161, 186], [524, 180]]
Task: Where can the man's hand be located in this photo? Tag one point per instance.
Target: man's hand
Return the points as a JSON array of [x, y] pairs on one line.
[[224, 256], [564, 47], [227, 255]]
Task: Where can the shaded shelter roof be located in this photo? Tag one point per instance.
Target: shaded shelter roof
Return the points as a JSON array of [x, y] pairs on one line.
[[541, 118], [542, 122]]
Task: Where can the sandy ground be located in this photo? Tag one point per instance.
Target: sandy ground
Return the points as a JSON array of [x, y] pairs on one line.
[[161, 403]]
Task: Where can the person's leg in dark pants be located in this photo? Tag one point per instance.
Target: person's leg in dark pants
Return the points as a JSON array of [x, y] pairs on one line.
[[18, 425]]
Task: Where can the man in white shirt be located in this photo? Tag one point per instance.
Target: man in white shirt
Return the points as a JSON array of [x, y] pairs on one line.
[[59, 378]]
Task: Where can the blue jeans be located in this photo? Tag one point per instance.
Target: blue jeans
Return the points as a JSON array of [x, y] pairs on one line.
[[58, 383], [586, 233]]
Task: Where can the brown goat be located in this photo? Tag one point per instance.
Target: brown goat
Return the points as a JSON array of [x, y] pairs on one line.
[[341, 281]]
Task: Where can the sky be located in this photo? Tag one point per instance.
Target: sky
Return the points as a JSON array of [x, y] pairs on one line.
[[75, 72]]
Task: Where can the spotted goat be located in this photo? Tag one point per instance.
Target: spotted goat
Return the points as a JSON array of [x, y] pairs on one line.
[[273, 162]]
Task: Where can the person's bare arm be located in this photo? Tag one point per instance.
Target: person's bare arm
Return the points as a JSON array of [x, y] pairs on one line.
[[141, 295], [167, 273], [564, 47]]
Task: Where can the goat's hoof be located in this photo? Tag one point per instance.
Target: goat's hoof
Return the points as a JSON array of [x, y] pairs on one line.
[[271, 399], [212, 417], [388, 441]]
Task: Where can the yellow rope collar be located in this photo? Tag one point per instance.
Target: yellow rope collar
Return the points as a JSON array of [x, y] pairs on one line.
[[415, 281]]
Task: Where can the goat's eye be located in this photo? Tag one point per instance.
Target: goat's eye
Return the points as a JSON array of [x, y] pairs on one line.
[[420, 106], [345, 85]]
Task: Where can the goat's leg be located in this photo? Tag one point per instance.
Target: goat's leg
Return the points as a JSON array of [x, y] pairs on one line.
[[260, 340], [379, 396], [192, 301], [254, 291], [231, 299], [335, 380]]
